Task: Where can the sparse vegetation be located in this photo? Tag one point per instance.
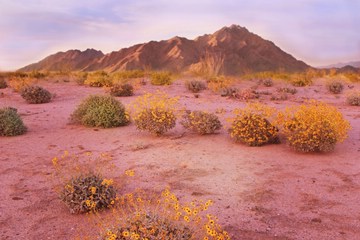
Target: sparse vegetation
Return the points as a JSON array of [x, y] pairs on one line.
[[291, 91], [125, 75], [100, 111], [201, 122], [251, 126], [195, 86], [314, 127], [11, 123], [3, 83], [268, 82], [122, 90], [163, 217], [161, 78], [353, 98], [155, 113], [335, 86], [36, 94], [98, 79]]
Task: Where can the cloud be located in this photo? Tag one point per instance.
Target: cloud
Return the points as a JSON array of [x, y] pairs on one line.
[[317, 31]]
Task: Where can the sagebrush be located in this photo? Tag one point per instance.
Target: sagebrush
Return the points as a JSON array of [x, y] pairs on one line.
[[11, 123], [36, 94], [201, 122], [100, 111]]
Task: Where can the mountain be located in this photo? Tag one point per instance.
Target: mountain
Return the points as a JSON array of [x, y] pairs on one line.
[[230, 50], [70, 60], [355, 64]]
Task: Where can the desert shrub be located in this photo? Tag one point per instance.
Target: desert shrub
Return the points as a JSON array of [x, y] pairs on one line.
[[247, 94], [161, 78], [80, 77], [335, 86], [36, 94], [314, 127], [300, 80], [19, 83], [98, 79], [268, 82], [155, 113], [201, 122], [88, 193], [353, 98], [129, 74], [291, 91], [10, 122], [218, 83], [162, 217], [3, 83], [228, 91], [252, 127], [122, 90], [279, 97], [100, 111], [195, 86]]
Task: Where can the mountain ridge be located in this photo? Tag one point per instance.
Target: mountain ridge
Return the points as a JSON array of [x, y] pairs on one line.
[[230, 50]]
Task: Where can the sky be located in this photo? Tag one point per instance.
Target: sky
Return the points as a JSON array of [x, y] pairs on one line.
[[319, 32]]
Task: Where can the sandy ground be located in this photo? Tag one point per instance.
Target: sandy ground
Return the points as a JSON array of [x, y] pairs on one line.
[[268, 192]]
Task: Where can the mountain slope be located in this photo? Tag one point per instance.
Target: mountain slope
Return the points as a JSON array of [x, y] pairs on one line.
[[230, 50]]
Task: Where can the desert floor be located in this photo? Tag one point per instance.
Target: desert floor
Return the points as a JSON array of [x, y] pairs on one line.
[[269, 192]]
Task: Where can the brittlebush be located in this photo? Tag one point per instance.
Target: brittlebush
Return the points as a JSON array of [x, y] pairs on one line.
[[155, 113], [314, 127], [162, 217], [252, 127]]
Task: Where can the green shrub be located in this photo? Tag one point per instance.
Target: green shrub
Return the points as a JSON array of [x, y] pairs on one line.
[[353, 99], [98, 79], [88, 193], [314, 127], [3, 83], [195, 86], [36, 94], [335, 86], [10, 122], [161, 78], [122, 90], [100, 111], [201, 122]]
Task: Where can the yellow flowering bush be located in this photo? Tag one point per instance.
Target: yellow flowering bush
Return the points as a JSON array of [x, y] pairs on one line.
[[88, 193], [80, 182], [252, 127], [155, 113], [314, 127], [201, 122], [138, 216]]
